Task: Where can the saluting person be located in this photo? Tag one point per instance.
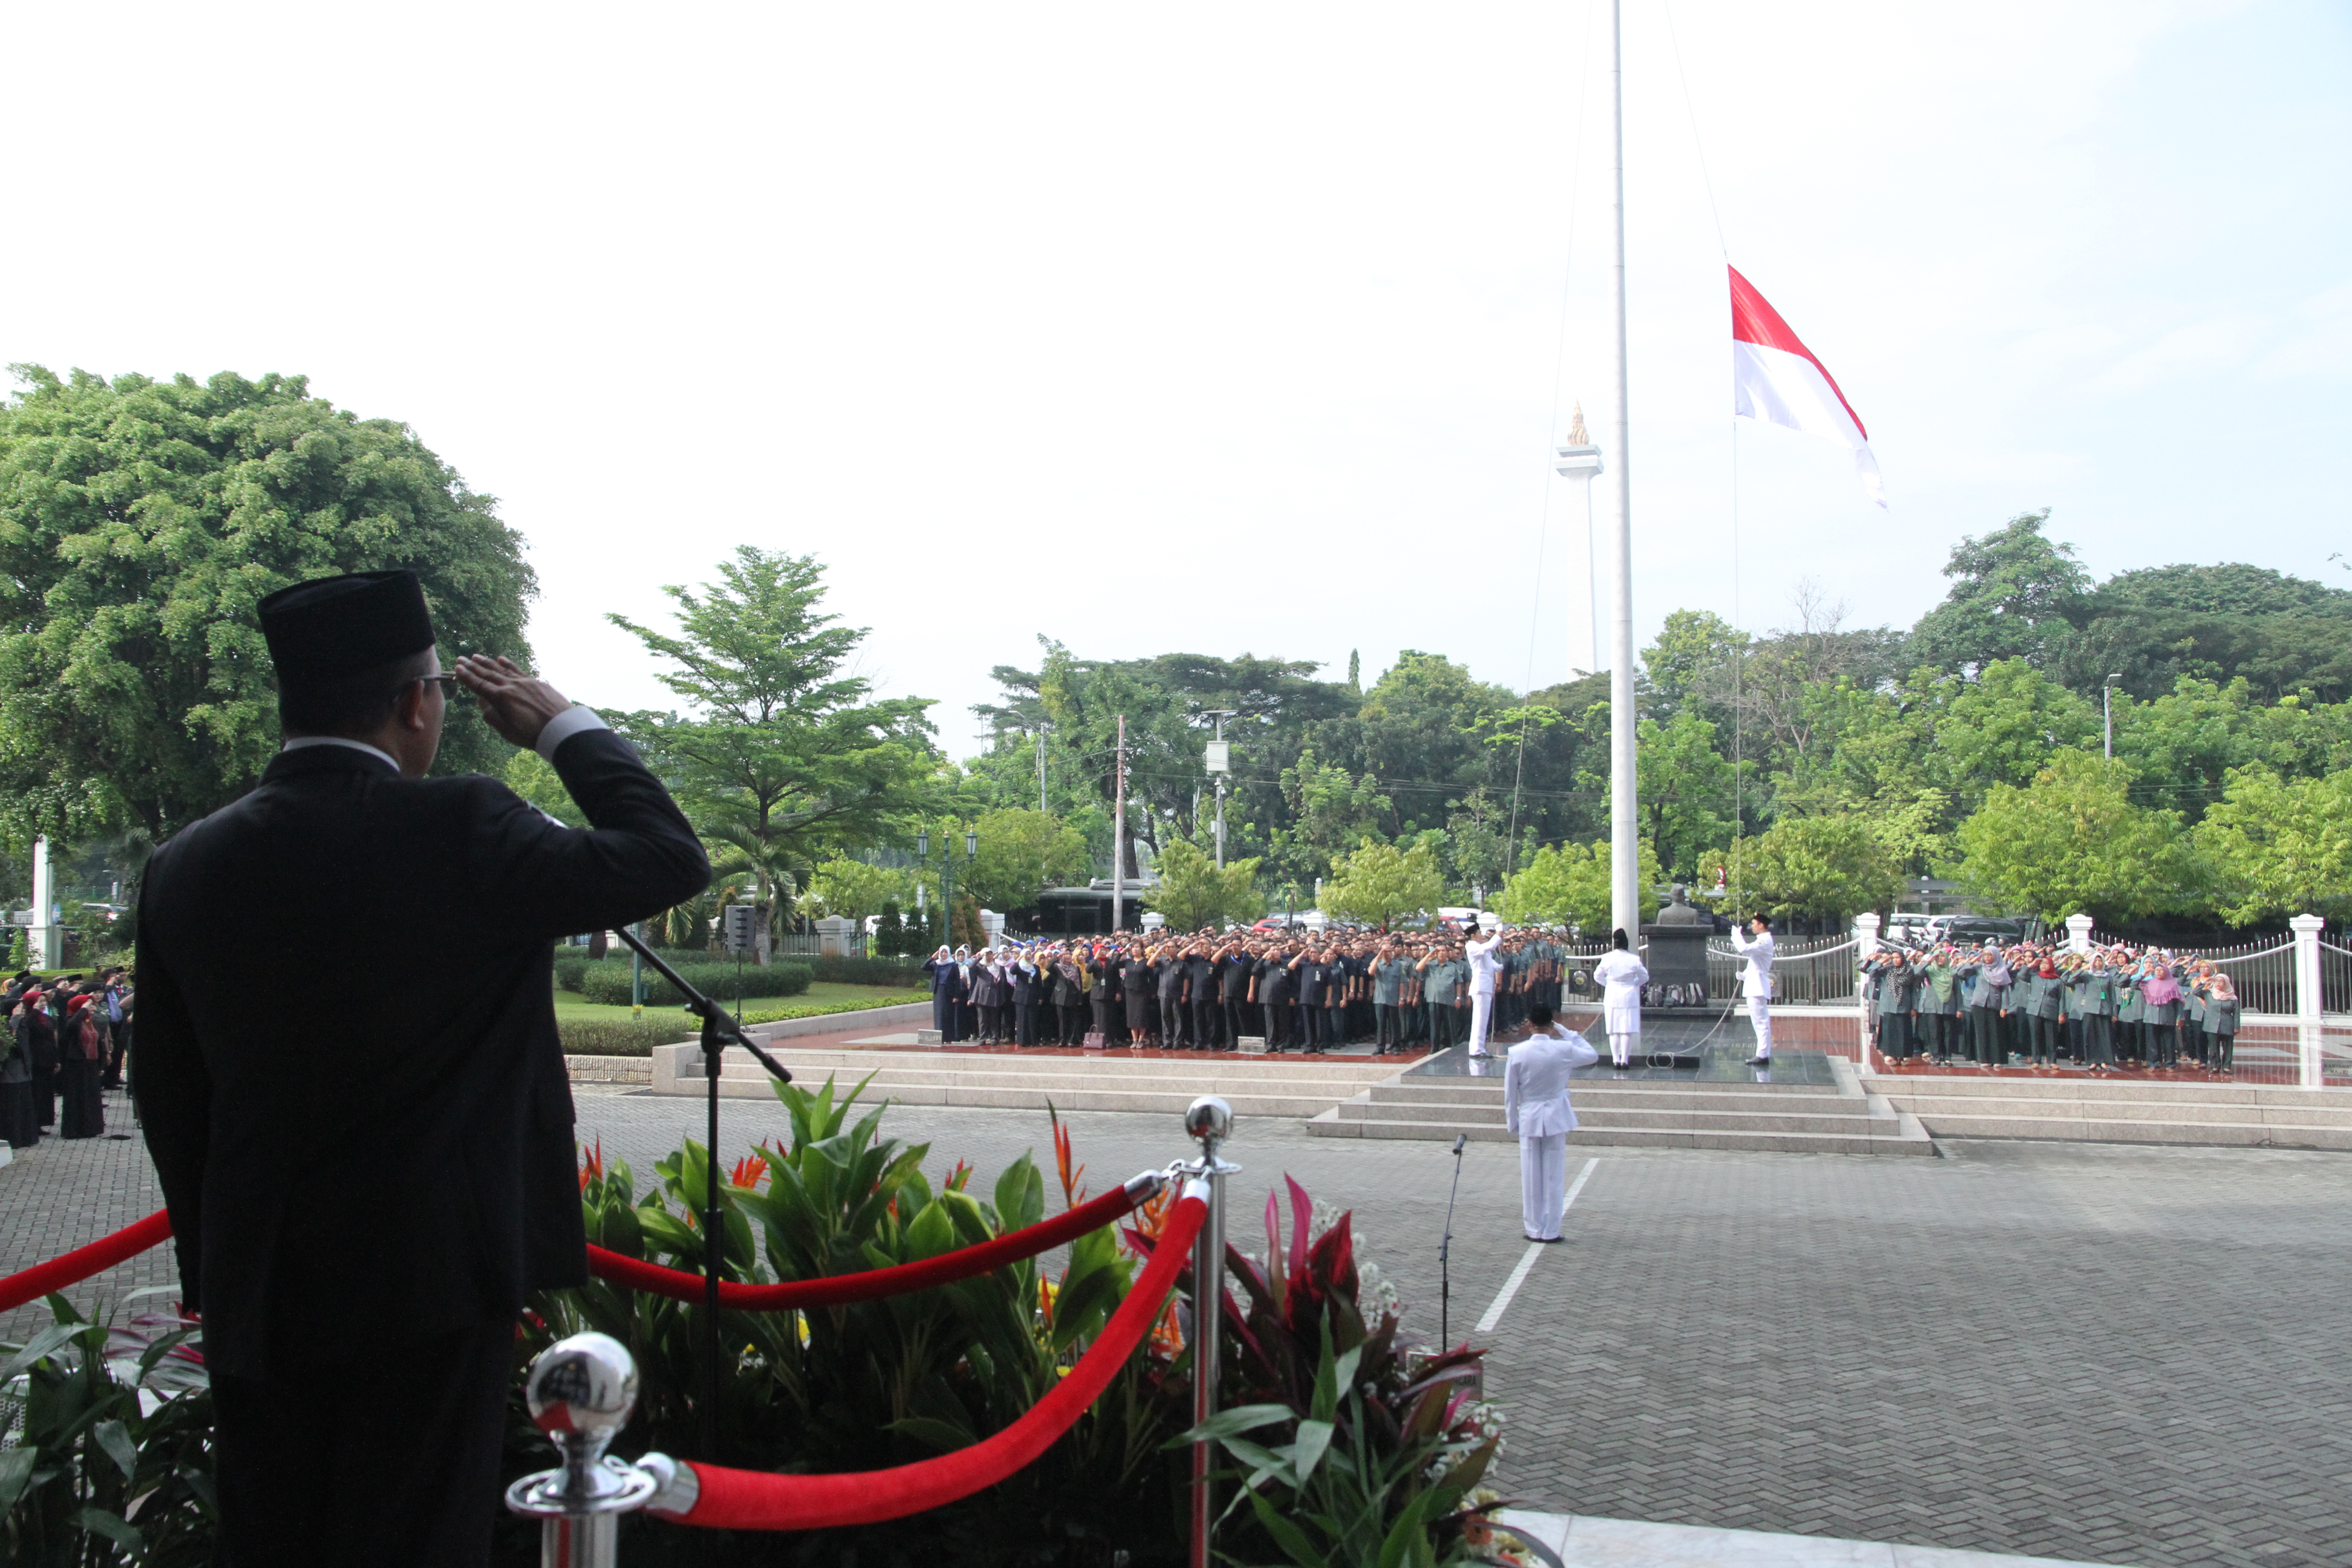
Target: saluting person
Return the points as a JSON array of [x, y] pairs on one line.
[[1482, 968], [1536, 1111], [358, 1332]]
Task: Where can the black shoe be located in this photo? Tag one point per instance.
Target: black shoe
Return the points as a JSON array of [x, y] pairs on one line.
[[1759, 1061]]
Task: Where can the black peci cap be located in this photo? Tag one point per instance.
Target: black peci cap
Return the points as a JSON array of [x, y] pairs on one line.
[[335, 627]]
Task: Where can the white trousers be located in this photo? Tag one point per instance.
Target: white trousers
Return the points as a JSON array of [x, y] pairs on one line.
[[1482, 1019], [1759, 1014], [1543, 1184], [1620, 1048]]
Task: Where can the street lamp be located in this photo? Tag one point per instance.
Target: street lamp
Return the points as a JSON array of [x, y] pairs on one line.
[[1219, 762], [2108, 713], [947, 872]]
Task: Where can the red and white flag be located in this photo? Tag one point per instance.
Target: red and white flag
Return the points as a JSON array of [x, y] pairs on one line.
[[1776, 378]]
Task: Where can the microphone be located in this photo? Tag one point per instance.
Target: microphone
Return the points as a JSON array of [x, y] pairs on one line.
[[1459, 1139]]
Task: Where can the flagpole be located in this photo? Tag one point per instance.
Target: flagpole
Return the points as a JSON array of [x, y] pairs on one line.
[[1624, 856]]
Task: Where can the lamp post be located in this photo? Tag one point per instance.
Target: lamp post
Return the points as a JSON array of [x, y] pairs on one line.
[[1221, 763], [2108, 713], [947, 872]]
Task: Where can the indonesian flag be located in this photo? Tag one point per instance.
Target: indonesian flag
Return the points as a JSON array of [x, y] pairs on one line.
[[1776, 378]]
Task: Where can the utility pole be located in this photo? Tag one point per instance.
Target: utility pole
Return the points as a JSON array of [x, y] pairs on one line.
[[1221, 763], [1118, 833]]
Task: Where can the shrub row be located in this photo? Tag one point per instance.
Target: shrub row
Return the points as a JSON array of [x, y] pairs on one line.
[[638, 1036], [898, 973], [608, 982]]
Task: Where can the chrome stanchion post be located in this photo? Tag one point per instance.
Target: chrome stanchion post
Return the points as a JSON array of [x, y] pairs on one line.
[[581, 1392], [1210, 1120]]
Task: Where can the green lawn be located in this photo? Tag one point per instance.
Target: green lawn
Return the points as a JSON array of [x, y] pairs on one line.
[[821, 995]]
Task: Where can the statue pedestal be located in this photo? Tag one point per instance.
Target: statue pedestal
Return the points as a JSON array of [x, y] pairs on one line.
[[1677, 956]]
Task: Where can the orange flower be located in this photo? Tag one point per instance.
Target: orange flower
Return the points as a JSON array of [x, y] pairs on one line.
[[1072, 1193], [592, 1165], [749, 1170], [958, 1177], [1167, 1338]]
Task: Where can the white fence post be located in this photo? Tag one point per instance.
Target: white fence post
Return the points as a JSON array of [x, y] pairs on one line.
[[2307, 929], [2078, 933], [1865, 944]]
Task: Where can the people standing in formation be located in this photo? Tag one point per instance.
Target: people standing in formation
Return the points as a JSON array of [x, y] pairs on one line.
[[64, 1036], [1621, 976], [1207, 990], [2111, 1007]]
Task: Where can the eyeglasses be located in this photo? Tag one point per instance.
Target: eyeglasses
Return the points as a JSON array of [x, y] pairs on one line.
[[450, 691]]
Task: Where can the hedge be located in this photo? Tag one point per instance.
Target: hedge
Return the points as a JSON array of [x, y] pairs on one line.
[[896, 973], [609, 982], [638, 1036]]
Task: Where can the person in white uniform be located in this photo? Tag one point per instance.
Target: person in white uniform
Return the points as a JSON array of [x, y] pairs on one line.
[[1536, 1111], [1755, 984], [1621, 975], [1484, 966]]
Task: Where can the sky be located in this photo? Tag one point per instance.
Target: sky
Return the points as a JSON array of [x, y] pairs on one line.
[[1236, 328]]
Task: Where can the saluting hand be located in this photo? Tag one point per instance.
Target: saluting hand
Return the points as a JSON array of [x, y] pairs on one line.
[[518, 706]]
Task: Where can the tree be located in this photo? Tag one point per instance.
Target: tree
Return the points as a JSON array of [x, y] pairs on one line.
[[2072, 841], [2277, 847], [1330, 808], [1193, 892], [1021, 853], [1568, 884], [1683, 786], [1378, 883], [141, 521], [781, 755], [2011, 592], [534, 778], [853, 890], [1823, 866]]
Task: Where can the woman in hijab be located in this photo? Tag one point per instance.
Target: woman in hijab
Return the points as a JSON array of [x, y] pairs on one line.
[[2163, 1014], [20, 1122], [1939, 1002], [81, 1058], [946, 982], [43, 1002], [2221, 1023]]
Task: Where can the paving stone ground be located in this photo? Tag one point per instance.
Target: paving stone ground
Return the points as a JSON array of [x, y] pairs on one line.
[[2116, 1353]]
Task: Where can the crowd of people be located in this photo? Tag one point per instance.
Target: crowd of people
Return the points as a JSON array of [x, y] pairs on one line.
[[66, 1041], [2104, 1009], [1209, 990]]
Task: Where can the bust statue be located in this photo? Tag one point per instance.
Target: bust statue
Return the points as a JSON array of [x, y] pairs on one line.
[[1679, 912]]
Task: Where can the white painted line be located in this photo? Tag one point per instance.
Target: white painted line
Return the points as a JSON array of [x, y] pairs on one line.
[[1527, 1260]]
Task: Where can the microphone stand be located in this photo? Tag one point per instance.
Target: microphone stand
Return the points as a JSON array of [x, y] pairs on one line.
[[1445, 1249], [719, 1032]]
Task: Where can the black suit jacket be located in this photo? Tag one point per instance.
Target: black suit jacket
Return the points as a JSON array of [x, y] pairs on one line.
[[349, 1070]]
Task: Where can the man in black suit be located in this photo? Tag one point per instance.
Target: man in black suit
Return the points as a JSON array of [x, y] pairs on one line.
[[367, 1176]]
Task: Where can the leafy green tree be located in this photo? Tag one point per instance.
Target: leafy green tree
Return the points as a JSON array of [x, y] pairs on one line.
[[2072, 841], [852, 890], [1193, 893], [1330, 808], [1021, 853], [1823, 867], [1690, 664], [2159, 624], [141, 521], [2184, 746], [1378, 883], [1569, 883], [1683, 786], [781, 755], [534, 778], [2277, 847], [2011, 592]]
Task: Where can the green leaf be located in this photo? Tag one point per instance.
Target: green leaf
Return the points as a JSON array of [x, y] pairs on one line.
[[41, 1344], [115, 1438], [106, 1522], [1410, 1530], [940, 1434], [16, 1470], [1230, 1422], [1286, 1535], [1307, 1448]]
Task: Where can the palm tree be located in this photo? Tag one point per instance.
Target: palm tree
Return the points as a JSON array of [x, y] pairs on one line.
[[759, 866]]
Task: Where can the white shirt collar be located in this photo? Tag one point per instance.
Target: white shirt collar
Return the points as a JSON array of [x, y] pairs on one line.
[[298, 741]]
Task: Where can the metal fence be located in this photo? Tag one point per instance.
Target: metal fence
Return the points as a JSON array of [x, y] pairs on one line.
[[2262, 970], [794, 945], [2335, 979], [1816, 970]]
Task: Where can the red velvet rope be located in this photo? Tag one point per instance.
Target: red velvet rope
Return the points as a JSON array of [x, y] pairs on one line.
[[836, 1289], [73, 1268], [756, 1499]]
